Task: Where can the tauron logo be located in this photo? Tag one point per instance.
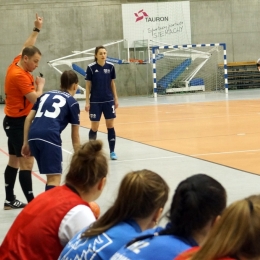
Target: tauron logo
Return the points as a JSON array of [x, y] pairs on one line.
[[140, 15]]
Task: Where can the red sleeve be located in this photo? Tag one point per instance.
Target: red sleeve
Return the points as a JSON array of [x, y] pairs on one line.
[[186, 254]]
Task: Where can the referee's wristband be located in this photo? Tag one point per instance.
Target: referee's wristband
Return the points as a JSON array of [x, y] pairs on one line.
[[35, 29]]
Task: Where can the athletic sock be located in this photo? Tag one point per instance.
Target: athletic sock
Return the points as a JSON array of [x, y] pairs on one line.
[[25, 178], [48, 187], [92, 135], [10, 177], [111, 136]]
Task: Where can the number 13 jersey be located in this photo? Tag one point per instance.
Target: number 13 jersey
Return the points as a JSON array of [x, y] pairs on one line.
[[54, 110]]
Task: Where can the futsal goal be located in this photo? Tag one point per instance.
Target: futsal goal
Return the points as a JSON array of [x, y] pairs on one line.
[[169, 68], [191, 67]]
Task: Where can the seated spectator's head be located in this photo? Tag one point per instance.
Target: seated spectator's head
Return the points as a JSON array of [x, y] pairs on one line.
[[197, 202], [88, 170], [141, 197], [236, 234]]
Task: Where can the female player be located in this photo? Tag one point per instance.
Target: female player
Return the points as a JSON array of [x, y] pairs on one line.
[[50, 115], [101, 96], [197, 203], [49, 221], [235, 236], [138, 206]]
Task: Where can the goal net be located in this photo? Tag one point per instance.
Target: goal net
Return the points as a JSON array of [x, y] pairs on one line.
[[182, 68]]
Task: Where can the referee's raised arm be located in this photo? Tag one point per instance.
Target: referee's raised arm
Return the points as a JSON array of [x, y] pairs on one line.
[[31, 40]]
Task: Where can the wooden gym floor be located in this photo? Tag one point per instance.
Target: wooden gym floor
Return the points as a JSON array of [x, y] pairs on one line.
[[225, 132]]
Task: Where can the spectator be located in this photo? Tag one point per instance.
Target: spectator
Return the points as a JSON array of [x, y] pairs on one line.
[[196, 205], [47, 223], [235, 236], [138, 206]]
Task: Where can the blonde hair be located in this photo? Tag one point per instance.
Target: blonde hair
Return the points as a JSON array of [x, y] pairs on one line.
[[140, 193], [237, 233]]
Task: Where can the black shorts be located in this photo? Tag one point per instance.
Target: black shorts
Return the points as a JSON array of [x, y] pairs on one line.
[[106, 108], [13, 127]]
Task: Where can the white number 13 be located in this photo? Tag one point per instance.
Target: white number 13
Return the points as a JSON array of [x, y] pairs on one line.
[[56, 105]]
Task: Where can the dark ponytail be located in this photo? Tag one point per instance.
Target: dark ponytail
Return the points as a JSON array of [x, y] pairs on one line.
[[196, 201]]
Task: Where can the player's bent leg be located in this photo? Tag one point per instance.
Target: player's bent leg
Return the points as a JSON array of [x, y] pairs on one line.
[[25, 176], [26, 163], [53, 180]]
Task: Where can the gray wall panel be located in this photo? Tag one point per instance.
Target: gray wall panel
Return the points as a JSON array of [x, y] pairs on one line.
[[78, 25]]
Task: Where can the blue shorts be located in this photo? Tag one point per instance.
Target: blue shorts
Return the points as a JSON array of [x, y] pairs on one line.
[[107, 108], [47, 155]]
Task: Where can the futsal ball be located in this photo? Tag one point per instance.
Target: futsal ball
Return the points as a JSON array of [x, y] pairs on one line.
[[95, 209]]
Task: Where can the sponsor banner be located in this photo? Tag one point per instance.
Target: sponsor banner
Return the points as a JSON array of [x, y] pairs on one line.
[[164, 22]]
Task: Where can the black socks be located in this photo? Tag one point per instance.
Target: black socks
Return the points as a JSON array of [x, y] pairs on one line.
[[25, 178], [10, 177], [111, 137], [92, 135]]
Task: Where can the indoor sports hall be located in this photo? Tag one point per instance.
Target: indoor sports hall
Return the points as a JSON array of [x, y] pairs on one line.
[[168, 135], [188, 86]]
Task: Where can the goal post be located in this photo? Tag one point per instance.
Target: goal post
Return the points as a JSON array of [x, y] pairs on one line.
[[190, 67]]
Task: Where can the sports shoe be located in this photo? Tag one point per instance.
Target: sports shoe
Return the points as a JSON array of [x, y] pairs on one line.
[[15, 204], [113, 156]]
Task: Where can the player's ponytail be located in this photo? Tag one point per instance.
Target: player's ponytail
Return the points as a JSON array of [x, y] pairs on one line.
[[68, 77], [88, 166]]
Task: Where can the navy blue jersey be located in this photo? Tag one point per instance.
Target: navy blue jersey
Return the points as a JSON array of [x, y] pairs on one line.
[[54, 110], [101, 77]]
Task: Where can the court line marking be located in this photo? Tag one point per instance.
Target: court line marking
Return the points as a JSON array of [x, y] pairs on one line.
[[176, 119], [66, 151], [33, 173], [193, 156]]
